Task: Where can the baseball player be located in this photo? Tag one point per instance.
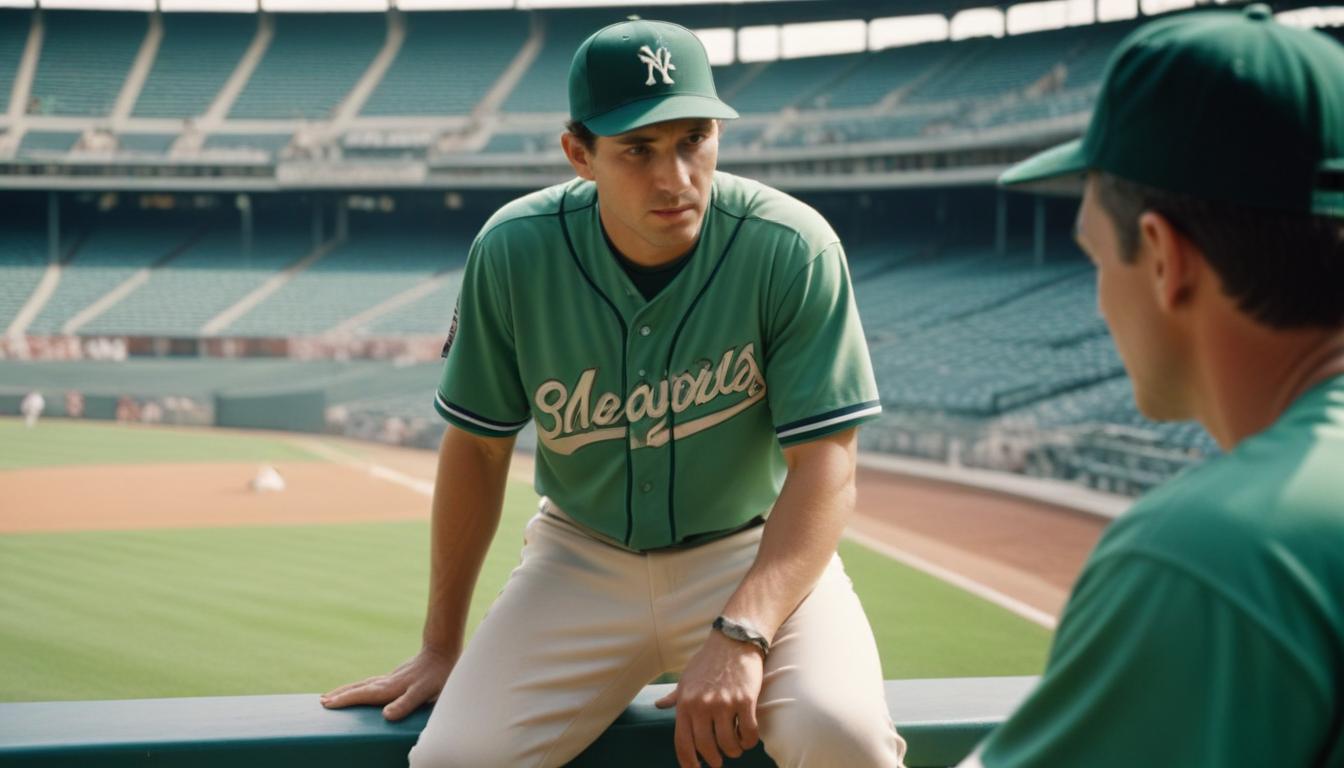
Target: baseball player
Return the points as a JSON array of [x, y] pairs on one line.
[[32, 406], [688, 346], [1207, 629]]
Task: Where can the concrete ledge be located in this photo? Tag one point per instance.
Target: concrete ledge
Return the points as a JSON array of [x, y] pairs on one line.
[[941, 719]]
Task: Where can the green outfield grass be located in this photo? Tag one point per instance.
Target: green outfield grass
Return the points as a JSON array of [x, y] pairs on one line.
[[255, 610], [55, 442]]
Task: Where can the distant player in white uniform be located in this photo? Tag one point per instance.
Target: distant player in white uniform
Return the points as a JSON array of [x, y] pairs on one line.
[[688, 344], [32, 407]]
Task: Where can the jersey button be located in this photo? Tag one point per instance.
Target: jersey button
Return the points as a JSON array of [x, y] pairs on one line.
[[646, 487], [645, 330]]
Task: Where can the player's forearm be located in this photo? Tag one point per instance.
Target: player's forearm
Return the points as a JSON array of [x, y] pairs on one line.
[[801, 535], [468, 499]]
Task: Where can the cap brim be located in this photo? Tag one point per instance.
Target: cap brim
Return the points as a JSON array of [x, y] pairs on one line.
[[1065, 160], [657, 110]]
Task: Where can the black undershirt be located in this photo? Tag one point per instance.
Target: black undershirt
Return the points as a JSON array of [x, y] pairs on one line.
[[649, 281]]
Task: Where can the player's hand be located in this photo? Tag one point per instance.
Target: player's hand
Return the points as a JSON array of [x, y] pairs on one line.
[[403, 691], [716, 702]]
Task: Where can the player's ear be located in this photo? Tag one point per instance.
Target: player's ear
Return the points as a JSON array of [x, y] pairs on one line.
[[579, 156], [1174, 260]]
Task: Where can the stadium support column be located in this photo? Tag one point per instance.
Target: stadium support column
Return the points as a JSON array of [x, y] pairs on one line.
[[1038, 237], [244, 204], [342, 218], [318, 224], [53, 227], [1000, 222]]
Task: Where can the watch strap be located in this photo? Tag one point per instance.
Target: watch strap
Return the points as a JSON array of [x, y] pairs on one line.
[[742, 632]]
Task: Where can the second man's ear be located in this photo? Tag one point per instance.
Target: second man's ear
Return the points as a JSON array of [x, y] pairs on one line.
[[1175, 260]]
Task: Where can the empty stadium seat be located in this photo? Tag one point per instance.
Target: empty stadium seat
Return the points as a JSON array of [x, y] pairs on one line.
[[103, 260], [299, 77], [883, 72], [790, 82], [447, 63], [430, 314], [984, 67], [48, 141], [196, 56], [23, 259], [151, 143], [85, 58], [544, 87], [357, 275], [209, 277], [14, 26]]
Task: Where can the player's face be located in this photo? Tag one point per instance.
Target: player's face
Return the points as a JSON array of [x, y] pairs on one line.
[[1127, 301], [653, 184]]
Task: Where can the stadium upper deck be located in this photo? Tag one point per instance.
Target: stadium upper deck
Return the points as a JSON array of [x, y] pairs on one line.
[[434, 84], [463, 99]]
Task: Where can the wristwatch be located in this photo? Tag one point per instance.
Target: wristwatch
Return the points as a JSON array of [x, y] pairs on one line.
[[743, 633]]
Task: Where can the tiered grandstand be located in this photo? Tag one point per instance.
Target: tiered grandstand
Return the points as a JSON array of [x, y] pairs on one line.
[[86, 56], [195, 58], [225, 81], [447, 63], [196, 185], [304, 44]]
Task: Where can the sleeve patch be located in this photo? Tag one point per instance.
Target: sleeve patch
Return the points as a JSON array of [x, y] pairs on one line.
[[452, 332]]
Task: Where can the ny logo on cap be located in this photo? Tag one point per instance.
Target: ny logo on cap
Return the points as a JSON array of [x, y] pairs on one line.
[[661, 61]]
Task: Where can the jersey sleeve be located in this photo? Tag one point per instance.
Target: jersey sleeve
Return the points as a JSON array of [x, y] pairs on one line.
[[480, 390], [1153, 667], [819, 379]]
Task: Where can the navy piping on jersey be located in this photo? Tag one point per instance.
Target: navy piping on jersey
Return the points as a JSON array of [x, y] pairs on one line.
[[454, 412], [629, 470], [828, 420], [671, 416]]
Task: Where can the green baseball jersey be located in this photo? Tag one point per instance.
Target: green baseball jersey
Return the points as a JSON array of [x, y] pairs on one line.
[[1207, 628], [659, 421]]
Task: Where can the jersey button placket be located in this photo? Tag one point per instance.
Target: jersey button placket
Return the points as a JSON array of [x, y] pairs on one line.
[[646, 357]]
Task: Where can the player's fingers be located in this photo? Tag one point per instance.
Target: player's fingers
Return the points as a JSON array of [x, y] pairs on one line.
[[702, 729], [725, 734], [406, 703], [684, 741], [748, 731], [347, 687], [670, 700], [377, 692]]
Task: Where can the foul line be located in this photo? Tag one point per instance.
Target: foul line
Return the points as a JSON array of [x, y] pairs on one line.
[[981, 591], [422, 487]]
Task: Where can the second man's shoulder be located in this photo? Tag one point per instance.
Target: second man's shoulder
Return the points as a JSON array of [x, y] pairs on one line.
[[767, 212]]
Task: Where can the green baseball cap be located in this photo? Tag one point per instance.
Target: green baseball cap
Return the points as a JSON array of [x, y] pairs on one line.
[[1226, 106], [636, 72]]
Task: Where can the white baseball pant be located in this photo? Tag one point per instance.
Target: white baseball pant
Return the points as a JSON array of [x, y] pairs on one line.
[[581, 626]]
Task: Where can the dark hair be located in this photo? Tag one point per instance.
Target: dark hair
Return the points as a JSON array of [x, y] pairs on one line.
[[586, 137], [589, 139], [1284, 269]]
